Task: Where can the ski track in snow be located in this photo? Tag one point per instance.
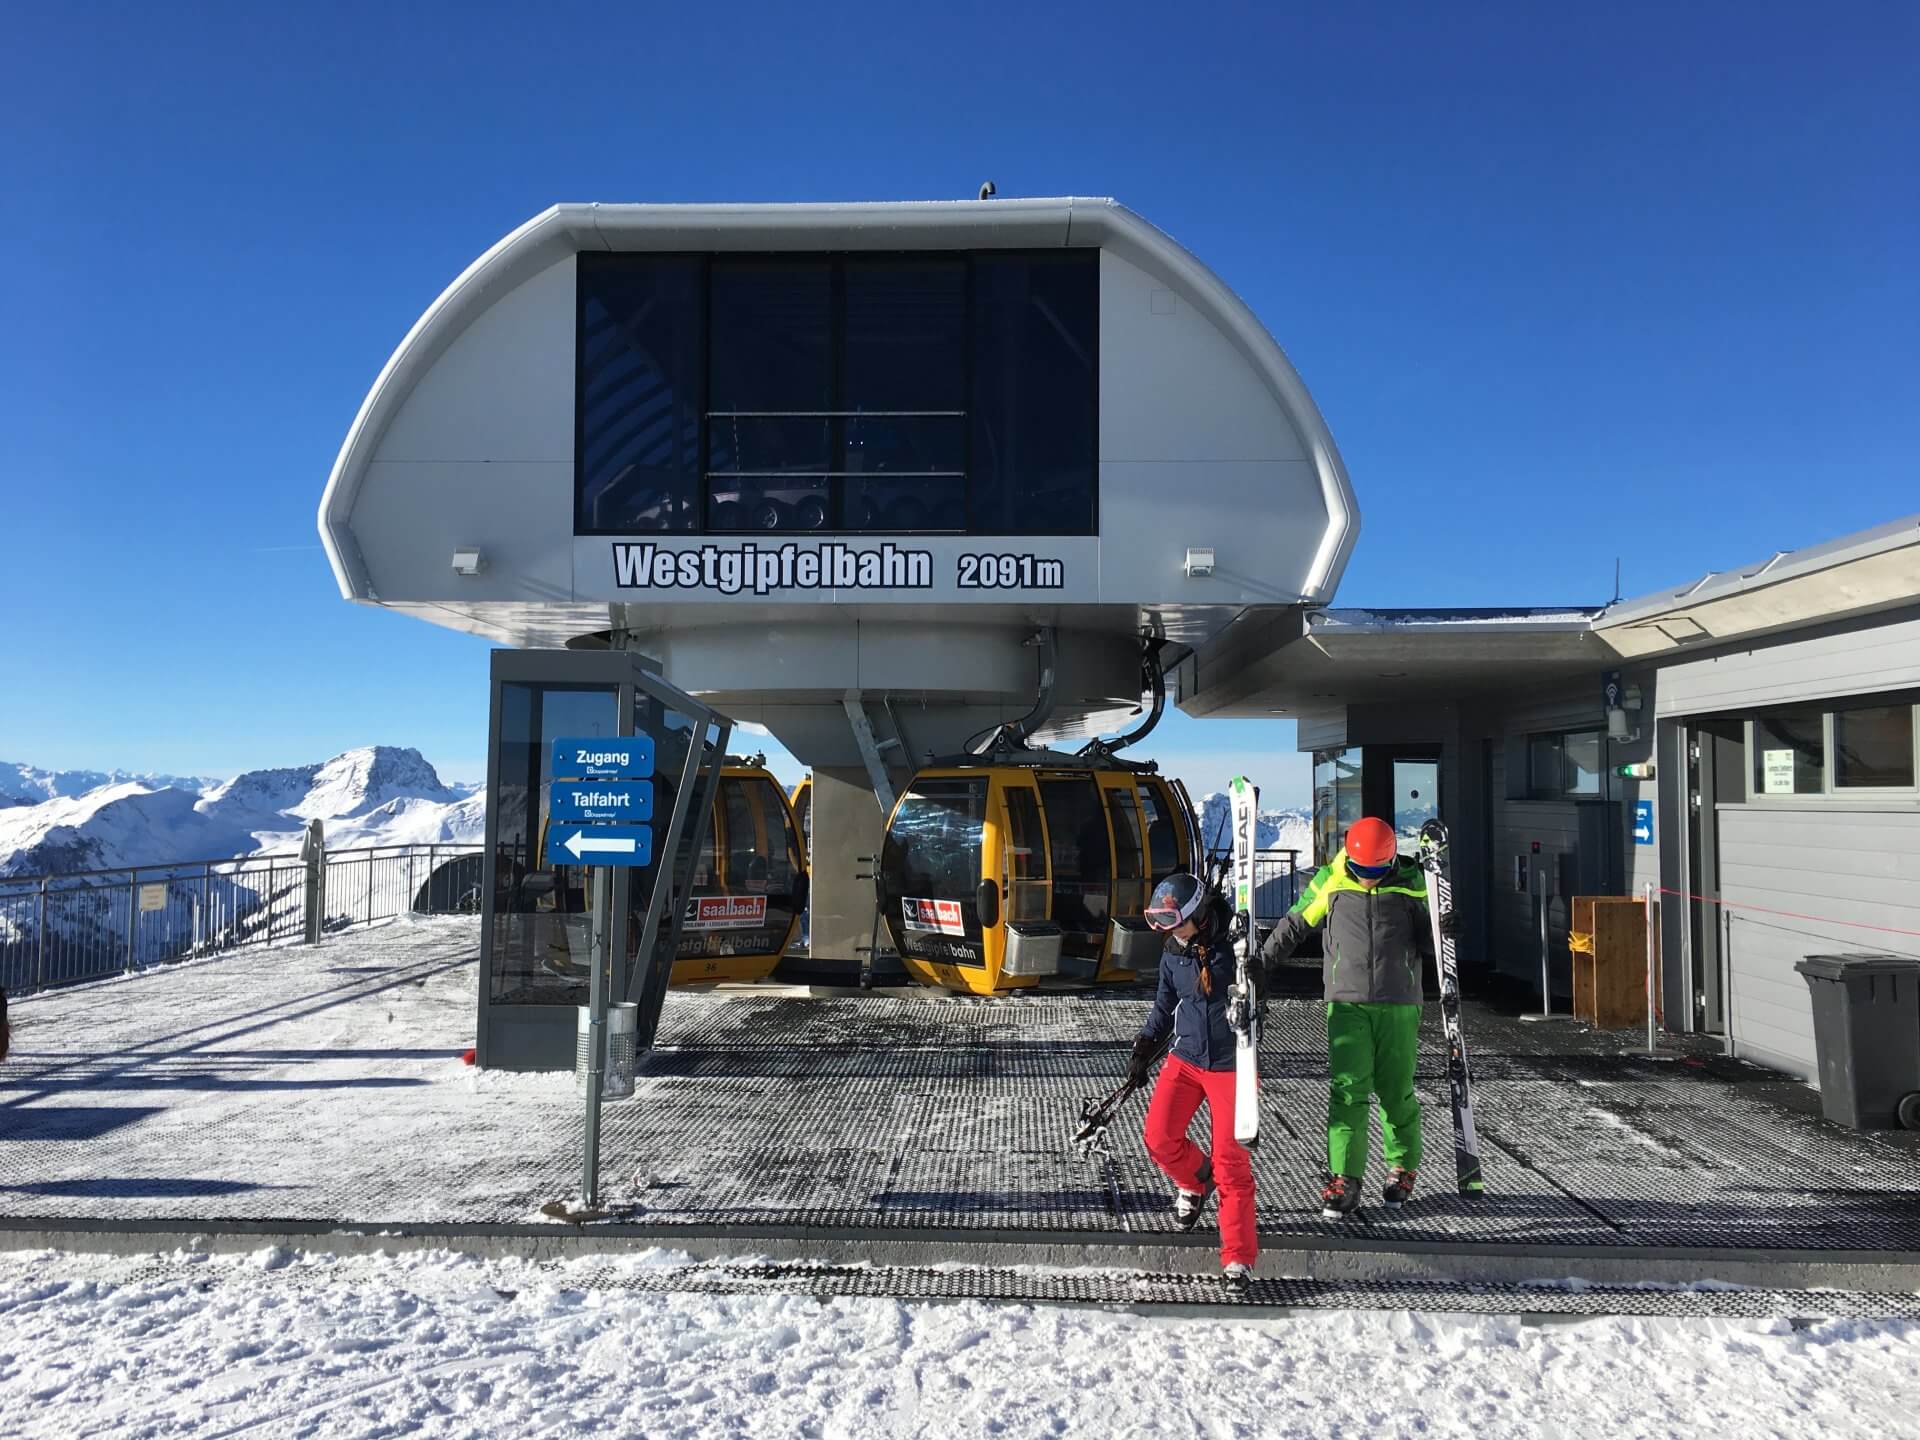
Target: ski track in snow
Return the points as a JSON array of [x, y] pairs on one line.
[[281, 1344]]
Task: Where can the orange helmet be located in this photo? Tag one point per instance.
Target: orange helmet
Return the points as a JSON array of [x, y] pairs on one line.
[[1371, 843]]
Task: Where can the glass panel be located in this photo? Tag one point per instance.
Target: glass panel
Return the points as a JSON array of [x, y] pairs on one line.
[[1416, 799], [1789, 755], [1129, 890], [1336, 799], [932, 853], [641, 378], [1082, 862], [1126, 834], [905, 345], [905, 472], [771, 335], [539, 953], [1546, 763], [758, 878], [1163, 853], [1026, 856], [1035, 344], [1873, 745], [1583, 763]]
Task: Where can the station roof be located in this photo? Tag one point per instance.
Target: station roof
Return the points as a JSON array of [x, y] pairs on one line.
[[1322, 659], [1870, 570], [1344, 656]]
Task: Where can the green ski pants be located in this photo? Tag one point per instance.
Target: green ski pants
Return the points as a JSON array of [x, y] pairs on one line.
[[1371, 1050]]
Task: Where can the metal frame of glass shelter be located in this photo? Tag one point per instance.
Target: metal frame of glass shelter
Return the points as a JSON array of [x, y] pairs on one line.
[[539, 962]]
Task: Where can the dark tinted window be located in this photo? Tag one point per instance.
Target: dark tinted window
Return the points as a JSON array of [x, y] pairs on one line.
[[1082, 861], [883, 393], [903, 441], [1036, 342], [640, 401], [1163, 853], [1873, 745], [769, 437]]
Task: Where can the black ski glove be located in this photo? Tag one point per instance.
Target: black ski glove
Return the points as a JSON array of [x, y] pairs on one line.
[[1450, 924], [1144, 1051]]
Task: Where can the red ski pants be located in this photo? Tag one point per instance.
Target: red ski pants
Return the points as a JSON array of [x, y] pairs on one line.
[[1176, 1096]]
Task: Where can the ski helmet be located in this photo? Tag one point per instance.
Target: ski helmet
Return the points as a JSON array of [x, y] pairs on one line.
[[1177, 899], [1371, 847]]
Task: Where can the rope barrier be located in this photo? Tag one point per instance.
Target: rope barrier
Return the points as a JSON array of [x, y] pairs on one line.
[[1785, 914]]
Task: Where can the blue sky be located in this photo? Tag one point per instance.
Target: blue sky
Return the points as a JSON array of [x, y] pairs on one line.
[[1636, 281]]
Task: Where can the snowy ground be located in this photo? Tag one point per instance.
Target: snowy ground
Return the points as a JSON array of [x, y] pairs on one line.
[[440, 1345]]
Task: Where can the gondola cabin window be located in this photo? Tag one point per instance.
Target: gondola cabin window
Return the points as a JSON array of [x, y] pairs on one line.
[[1026, 856], [930, 870]]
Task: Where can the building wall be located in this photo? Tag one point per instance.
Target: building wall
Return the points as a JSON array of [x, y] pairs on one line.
[[1851, 865], [1851, 658], [1821, 859]]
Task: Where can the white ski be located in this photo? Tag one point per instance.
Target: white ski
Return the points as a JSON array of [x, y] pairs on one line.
[[1435, 861], [1240, 1007]]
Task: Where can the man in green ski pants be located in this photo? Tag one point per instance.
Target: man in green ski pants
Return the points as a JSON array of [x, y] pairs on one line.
[[1372, 909]]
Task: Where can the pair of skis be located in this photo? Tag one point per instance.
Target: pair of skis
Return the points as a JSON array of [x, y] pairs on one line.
[[1466, 1144]]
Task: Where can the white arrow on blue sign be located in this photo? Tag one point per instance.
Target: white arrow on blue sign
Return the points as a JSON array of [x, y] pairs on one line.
[[1643, 822], [598, 757], [600, 845], [601, 800]]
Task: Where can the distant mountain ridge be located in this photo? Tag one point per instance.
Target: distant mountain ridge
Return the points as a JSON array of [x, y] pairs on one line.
[[1286, 829], [28, 785], [375, 795]]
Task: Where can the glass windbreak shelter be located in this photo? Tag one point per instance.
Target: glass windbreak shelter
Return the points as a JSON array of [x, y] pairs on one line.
[[537, 948], [927, 392], [1395, 782]]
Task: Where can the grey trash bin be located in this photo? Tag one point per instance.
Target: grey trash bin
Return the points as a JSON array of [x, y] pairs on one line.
[[616, 1081], [1866, 1032]]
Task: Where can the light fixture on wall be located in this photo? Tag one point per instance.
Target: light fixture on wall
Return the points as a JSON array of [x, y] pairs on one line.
[[469, 560], [1199, 562]]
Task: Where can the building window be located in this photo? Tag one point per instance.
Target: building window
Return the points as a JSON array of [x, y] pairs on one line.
[[640, 394], [1336, 799], [1564, 766], [1789, 754], [1873, 747], [840, 393]]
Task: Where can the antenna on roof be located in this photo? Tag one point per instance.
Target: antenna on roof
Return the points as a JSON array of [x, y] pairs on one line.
[[1616, 581], [989, 190]]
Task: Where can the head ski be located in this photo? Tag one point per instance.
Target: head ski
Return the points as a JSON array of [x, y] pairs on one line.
[[1466, 1145], [1241, 1013]]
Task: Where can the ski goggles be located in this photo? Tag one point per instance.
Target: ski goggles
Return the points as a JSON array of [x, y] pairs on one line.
[[1370, 872]]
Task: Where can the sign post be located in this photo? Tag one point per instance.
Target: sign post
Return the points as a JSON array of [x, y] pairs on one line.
[[603, 790]]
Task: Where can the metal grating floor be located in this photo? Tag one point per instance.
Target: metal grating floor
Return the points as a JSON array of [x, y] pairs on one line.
[[325, 1085], [1033, 1285]]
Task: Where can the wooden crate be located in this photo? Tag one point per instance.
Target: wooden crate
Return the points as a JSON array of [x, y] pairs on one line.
[[1609, 943]]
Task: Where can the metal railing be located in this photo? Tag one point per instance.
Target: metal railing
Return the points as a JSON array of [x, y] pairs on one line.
[[1276, 885], [86, 925]]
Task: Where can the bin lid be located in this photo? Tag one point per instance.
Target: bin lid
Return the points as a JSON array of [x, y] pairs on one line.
[[1842, 967]]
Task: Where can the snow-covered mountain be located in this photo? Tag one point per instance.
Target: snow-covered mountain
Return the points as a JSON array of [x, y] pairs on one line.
[[377, 795], [1288, 829], [26, 785]]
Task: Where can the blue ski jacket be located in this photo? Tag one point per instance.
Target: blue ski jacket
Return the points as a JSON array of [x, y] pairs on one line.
[[1201, 1035]]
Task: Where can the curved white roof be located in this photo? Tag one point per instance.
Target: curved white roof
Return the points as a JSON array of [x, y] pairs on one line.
[[1305, 553]]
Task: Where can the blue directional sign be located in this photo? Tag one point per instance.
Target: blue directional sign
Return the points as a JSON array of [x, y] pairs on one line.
[[1643, 822], [600, 800], [599, 845], [600, 757]]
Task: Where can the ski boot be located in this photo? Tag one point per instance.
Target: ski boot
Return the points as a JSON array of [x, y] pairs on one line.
[[1238, 1279], [1188, 1205], [1399, 1187], [1341, 1197]]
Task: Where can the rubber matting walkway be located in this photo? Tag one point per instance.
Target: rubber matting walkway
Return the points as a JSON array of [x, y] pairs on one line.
[[325, 1085]]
